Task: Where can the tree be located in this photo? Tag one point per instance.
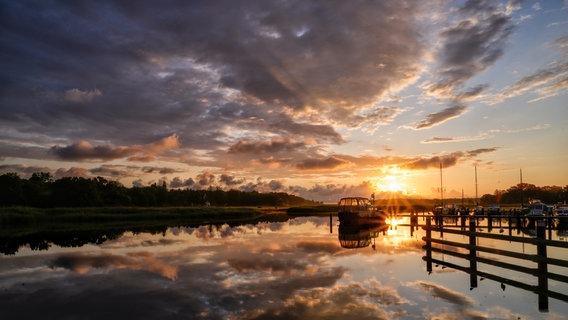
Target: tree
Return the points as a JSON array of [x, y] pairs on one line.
[[37, 192], [488, 199], [11, 189], [75, 192]]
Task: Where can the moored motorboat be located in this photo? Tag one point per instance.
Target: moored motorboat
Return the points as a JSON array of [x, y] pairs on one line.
[[537, 209], [359, 210], [562, 211]]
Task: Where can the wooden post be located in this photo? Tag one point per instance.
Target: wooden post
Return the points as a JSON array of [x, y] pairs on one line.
[[472, 255], [510, 226], [549, 227], [428, 245], [542, 267]]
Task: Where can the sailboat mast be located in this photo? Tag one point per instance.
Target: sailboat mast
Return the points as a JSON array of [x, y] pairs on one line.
[[441, 185], [476, 202], [521, 173]]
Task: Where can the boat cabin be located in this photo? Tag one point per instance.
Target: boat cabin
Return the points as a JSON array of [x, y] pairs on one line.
[[354, 204]]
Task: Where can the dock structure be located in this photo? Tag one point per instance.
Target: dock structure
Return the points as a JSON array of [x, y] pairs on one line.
[[458, 242]]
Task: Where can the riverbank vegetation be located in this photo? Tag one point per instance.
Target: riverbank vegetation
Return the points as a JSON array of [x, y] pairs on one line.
[[41, 191], [41, 198]]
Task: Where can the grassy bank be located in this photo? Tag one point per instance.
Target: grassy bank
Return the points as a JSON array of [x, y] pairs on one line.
[[13, 216], [325, 209]]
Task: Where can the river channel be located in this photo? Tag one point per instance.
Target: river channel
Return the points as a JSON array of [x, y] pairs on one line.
[[302, 268]]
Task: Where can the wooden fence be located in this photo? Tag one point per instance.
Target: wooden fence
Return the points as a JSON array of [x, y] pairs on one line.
[[477, 257]]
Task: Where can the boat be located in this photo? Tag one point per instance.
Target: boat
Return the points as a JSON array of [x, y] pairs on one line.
[[537, 209], [359, 210], [478, 211], [493, 210], [562, 211]]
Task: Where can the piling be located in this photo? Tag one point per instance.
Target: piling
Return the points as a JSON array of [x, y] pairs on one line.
[[542, 266], [428, 244], [472, 255]]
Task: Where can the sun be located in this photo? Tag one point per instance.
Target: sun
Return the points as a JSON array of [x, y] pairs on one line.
[[393, 181], [394, 186]]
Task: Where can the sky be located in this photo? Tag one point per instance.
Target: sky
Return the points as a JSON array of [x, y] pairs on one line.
[[322, 99]]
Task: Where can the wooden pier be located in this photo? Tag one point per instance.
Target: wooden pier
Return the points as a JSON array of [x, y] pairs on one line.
[[535, 235]]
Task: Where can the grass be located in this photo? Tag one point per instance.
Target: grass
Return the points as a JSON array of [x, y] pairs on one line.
[[312, 210], [62, 218]]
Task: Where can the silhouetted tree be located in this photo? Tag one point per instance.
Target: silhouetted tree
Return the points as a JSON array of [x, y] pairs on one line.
[[75, 192], [37, 192], [11, 190], [487, 199]]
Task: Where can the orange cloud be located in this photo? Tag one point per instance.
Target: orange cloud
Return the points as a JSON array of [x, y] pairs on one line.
[[84, 150]]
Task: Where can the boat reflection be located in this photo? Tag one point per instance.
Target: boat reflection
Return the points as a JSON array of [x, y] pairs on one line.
[[353, 235]]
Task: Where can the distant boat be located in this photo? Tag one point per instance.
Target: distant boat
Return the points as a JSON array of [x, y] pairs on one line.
[[537, 209], [359, 210], [493, 210], [562, 211]]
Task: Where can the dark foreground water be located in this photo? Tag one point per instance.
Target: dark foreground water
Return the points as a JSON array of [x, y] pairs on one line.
[[299, 269]]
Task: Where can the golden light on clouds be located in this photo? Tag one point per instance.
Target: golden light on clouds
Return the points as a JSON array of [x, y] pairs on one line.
[[312, 105]]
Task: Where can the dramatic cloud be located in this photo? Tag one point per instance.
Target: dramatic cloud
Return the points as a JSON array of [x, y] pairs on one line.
[[273, 146], [446, 160], [547, 82], [317, 164], [473, 43], [470, 45], [85, 151], [76, 95], [126, 68], [230, 180], [370, 120], [438, 140], [478, 137], [440, 117], [279, 95]]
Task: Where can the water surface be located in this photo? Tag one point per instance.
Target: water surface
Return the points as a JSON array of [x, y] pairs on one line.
[[302, 268]]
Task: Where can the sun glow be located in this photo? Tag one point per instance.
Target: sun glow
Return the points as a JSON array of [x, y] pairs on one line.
[[391, 183]]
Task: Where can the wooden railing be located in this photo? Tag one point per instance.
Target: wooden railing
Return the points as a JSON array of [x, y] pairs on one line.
[[476, 258]]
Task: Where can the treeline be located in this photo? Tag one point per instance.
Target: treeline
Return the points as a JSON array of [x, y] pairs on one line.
[[42, 191], [523, 193]]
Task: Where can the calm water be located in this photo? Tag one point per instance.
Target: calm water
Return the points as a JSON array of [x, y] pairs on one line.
[[298, 269]]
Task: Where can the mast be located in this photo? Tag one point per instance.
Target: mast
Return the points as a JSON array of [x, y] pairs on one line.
[[441, 185], [476, 202], [521, 173]]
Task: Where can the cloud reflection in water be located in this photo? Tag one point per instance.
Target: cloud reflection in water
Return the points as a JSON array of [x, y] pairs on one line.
[[286, 270]]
